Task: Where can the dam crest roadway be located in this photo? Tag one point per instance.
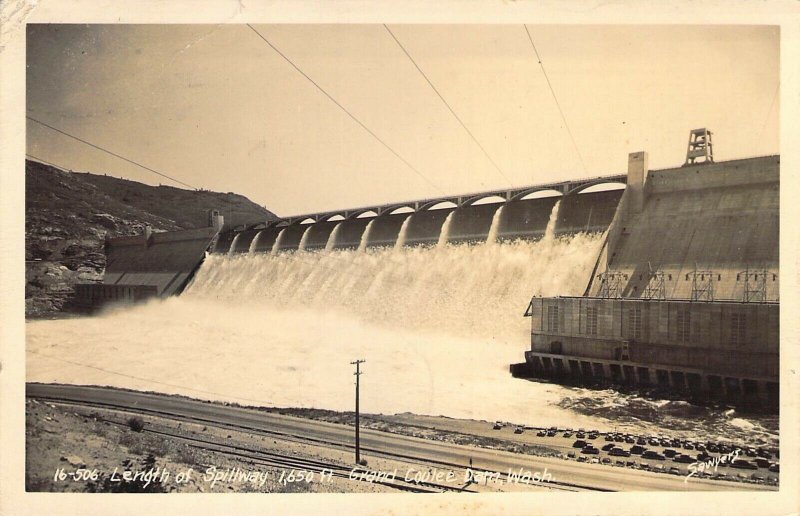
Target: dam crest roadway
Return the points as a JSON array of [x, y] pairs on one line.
[[511, 194]]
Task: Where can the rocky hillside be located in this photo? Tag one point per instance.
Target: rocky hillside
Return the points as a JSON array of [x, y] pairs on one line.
[[68, 215]]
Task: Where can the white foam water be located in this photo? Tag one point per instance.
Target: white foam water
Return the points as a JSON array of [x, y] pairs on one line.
[[362, 246], [494, 229], [401, 235], [304, 239], [331, 243], [277, 244], [254, 243], [233, 244], [444, 233]]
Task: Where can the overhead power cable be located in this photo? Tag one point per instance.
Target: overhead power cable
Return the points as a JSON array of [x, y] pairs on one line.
[[40, 160], [558, 105], [340, 106], [447, 104], [110, 152]]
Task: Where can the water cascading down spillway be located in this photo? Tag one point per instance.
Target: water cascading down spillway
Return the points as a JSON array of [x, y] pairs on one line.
[[362, 246], [444, 234], [477, 289], [304, 239], [233, 244], [401, 235], [550, 230], [331, 243], [254, 243], [277, 244], [494, 229]]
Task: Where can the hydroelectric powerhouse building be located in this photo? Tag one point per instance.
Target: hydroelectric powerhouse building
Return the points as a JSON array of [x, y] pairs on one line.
[[684, 295]]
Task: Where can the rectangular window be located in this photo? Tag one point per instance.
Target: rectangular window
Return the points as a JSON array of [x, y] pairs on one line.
[[635, 322], [684, 325], [552, 318], [591, 320], [738, 329]]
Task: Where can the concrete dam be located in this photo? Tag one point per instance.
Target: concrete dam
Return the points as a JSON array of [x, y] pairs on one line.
[[671, 283]]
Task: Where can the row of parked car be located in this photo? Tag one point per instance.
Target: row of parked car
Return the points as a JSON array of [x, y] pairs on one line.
[[762, 456], [682, 458], [762, 452]]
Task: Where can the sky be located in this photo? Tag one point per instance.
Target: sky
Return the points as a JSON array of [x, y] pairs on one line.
[[217, 108]]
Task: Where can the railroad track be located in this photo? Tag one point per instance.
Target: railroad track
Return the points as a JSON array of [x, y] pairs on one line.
[[243, 452], [281, 460]]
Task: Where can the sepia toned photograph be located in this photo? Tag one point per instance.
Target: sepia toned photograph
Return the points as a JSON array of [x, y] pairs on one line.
[[402, 258]]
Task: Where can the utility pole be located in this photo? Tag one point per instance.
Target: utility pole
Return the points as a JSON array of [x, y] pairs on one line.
[[357, 374]]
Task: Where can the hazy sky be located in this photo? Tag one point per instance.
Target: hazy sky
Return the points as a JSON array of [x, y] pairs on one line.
[[216, 107]]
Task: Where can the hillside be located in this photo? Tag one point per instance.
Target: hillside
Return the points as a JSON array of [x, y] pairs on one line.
[[68, 215]]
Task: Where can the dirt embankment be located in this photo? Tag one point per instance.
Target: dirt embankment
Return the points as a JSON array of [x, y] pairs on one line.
[[78, 449], [68, 215]]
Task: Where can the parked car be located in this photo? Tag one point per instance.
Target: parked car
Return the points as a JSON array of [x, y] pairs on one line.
[[579, 444], [619, 452], [629, 439], [593, 436], [674, 471], [762, 462], [608, 447], [688, 446], [743, 464], [497, 426], [703, 456], [637, 450], [669, 453], [650, 454], [567, 434], [606, 460], [580, 435], [541, 433], [683, 459], [518, 430], [590, 450], [774, 467]]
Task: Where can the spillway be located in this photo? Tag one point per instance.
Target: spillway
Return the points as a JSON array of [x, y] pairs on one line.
[[476, 290]]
